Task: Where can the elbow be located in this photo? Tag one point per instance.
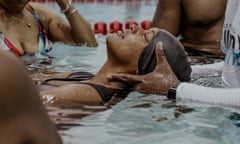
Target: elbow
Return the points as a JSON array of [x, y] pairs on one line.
[[92, 43], [89, 41]]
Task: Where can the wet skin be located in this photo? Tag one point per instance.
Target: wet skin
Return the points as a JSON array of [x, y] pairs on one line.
[[198, 22], [124, 49], [20, 27]]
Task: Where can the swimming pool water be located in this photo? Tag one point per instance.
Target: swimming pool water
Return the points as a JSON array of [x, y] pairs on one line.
[[152, 119], [140, 118]]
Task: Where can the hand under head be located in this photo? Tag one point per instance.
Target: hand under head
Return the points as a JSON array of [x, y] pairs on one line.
[[162, 64], [158, 81], [175, 55]]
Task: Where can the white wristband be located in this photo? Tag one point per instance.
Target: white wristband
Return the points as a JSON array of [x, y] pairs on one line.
[[72, 12]]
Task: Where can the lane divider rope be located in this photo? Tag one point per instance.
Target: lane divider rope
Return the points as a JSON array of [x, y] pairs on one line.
[[101, 27], [103, 1]]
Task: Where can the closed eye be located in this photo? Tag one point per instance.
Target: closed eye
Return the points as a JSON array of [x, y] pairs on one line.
[[148, 36]]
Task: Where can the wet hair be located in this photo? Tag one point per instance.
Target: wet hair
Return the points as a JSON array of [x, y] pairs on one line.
[[174, 52]]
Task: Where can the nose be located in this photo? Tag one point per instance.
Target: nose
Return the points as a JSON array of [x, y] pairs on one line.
[[135, 29]]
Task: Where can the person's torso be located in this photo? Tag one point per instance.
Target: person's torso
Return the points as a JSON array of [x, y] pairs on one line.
[[230, 45], [202, 24], [23, 35]]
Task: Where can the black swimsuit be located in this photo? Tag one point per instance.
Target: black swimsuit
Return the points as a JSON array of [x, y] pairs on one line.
[[105, 92]]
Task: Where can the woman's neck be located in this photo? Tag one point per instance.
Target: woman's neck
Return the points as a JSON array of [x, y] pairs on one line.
[[10, 12], [110, 68]]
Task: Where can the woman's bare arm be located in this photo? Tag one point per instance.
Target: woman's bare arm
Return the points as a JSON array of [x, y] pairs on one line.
[[75, 31]]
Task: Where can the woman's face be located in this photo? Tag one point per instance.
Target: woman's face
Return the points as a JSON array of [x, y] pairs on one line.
[[126, 47], [13, 6]]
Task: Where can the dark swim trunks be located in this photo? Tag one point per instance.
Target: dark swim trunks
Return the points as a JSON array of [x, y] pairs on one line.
[[105, 92]]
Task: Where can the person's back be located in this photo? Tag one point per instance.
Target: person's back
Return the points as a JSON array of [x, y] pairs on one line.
[[199, 23]]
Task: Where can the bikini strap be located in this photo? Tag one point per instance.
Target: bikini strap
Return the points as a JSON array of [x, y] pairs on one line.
[[75, 76], [42, 32], [7, 45], [33, 12], [107, 93]]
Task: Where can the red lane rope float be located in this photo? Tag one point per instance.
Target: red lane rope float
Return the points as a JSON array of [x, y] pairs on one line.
[[103, 1], [146, 24], [115, 26], [129, 23], [100, 28]]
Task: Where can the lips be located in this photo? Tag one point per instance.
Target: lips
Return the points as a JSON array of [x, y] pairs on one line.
[[120, 34]]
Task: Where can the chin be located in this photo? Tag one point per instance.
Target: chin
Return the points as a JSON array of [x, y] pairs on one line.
[[112, 38]]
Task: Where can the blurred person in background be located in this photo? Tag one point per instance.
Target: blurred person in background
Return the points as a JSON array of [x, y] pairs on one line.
[[30, 27]]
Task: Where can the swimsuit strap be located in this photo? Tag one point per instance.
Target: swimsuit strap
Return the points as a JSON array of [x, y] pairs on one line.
[[107, 93], [6, 43], [75, 76], [44, 45], [43, 38]]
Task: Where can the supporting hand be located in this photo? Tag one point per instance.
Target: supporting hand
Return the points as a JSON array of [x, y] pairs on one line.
[[157, 82]]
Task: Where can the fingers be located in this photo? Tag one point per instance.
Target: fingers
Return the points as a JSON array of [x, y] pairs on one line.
[[162, 62], [159, 52], [126, 78], [160, 55]]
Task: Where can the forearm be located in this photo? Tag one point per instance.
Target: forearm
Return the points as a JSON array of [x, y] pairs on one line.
[[81, 30], [218, 96]]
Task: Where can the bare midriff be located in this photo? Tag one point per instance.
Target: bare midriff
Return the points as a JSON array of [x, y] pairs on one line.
[[211, 47], [202, 27]]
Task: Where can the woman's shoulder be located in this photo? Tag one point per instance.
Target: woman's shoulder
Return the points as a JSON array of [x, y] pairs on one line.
[[42, 9], [45, 13]]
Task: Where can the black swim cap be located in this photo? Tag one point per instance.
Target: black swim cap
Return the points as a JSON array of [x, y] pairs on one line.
[[174, 52]]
